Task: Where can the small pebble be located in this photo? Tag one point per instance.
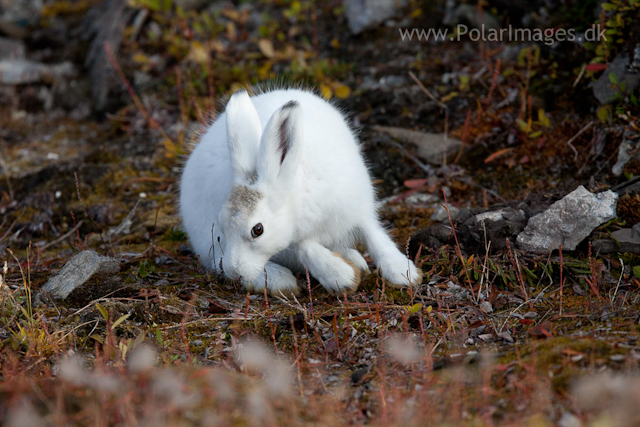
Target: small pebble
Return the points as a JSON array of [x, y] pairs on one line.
[[486, 306], [486, 337], [506, 336]]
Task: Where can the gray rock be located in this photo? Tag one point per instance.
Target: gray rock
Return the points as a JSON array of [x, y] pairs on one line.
[[495, 226], [421, 199], [87, 275], [22, 13], [468, 14], [604, 246], [605, 91], [486, 306], [635, 65], [628, 239], [568, 221], [365, 14], [569, 420], [629, 145], [506, 336], [11, 49], [434, 148], [441, 215], [22, 71]]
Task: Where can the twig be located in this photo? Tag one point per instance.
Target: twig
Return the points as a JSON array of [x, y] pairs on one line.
[[136, 100], [514, 260], [493, 193], [615, 293], [410, 156], [530, 302], [426, 91], [61, 238], [574, 137], [453, 229], [561, 278], [625, 184], [183, 110], [493, 82], [6, 174], [577, 80], [310, 296], [4, 236]]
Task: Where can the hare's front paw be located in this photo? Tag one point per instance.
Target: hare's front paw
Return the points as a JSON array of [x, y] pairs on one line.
[[279, 280], [400, 271], [334, 272], [355, 258]]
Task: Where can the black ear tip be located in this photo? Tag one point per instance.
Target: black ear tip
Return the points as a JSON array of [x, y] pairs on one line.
[[290, 105]]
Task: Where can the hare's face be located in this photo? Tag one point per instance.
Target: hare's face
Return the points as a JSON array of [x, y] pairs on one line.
[[258, 219], [253, 231]]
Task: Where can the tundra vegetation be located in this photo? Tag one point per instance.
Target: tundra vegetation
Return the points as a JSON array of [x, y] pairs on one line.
[[99, 104]]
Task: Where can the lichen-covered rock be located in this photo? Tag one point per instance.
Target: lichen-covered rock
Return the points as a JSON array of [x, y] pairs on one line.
[[568, 221], [85, 276], [605, 91]]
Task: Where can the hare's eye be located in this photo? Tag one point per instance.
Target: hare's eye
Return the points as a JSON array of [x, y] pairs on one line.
[[257, 230]]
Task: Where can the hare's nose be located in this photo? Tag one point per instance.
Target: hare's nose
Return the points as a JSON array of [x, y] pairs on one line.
[[229, 268]]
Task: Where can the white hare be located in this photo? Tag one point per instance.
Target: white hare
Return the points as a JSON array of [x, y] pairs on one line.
[[278, 183]]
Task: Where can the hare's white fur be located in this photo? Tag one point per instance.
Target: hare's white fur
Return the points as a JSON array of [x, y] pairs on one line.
[[288, 160]]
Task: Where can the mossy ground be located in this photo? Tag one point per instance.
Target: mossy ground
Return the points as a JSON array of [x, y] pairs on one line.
[[379, 356]]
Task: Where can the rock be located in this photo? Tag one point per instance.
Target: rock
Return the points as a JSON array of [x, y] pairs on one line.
[[628, 239], [365, 14], [487, 337], [495, 226], [604, 246], [84, 277], [415, 199], [432, 238], [468, 14], [11, 49], [569, 420], [21, 13], [125, 226], [486, 306], [604, 90], [22, 71], [421, 199], [432, 147], [474, 228], [630, 144], [441, 215], [568, 221], [506, 336], [635, 65]]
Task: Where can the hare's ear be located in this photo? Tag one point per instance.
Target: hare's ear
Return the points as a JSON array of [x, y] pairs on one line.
[[281, 146], [243, 136]]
